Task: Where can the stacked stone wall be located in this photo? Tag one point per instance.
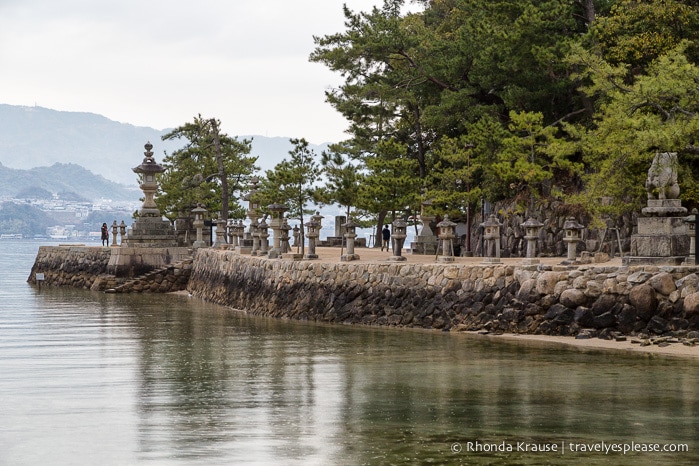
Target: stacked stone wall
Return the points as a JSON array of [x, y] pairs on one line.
[[588, 300], [75, 266], [163, 280]]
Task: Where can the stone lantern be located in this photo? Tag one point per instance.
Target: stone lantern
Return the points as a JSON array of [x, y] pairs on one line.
[[115, 230], [447, 233], [491, 235], [220, 242], [531, 234], [263, 233], [284, 242], [398, 237], [426, 241], [232, 234], [572, 231], [253, 207], [691, 222], [122, 231], [312, 232], [198, 223], [277, 213], [255, 234], [297, 236], [350, 234]]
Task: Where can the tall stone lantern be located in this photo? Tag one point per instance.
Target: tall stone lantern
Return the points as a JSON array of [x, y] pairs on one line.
[[491, 235], [115, 230], [150, 229], [398, 237], [572, 236], [198, 224], [284, 243], [232, 234], [447, 233], [220, 242], [350, 234], [532, 227], [149, 168], [277, 213], [312, 233], [253, 208], [263, 233]]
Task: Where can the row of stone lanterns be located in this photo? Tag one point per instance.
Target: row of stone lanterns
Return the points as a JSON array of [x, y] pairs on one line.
[[118, 229]]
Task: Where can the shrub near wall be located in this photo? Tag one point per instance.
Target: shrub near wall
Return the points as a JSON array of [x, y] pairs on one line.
[[497, 298]]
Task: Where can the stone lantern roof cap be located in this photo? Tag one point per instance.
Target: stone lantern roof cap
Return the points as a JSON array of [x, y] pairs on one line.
[[532, 223], [198, 209], [400, 223], [492, 222], [277, 207], [571, 224], [446, 223], [350, 223], [148, 165]]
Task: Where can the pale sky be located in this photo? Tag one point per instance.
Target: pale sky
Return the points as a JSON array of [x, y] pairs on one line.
[[159, 63]]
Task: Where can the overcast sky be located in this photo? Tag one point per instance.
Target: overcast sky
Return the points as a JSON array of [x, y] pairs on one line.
[[158, 63]]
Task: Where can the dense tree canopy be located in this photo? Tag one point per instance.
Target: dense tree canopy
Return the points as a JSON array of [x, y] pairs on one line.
[[464, 101], [211, 169], [495, 99]]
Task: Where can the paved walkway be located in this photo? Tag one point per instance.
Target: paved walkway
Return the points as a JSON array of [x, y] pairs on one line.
[[368, 255]]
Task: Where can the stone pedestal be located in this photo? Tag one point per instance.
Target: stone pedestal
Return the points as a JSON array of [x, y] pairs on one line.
[[660, 239]]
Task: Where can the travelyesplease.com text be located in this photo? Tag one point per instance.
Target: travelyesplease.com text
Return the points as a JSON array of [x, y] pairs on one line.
[[563, 447]]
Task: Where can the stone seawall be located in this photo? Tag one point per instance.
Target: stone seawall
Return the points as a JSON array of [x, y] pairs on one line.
[[89, 267], [70, 265], [587, 300]]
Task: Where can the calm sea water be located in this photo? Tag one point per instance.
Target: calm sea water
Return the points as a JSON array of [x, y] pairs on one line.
[[89, 378]]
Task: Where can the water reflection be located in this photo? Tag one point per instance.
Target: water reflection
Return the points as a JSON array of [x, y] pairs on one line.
[[90, 378]]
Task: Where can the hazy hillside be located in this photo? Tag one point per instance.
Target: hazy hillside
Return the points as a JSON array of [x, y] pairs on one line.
[[63, 178], [39, 137]]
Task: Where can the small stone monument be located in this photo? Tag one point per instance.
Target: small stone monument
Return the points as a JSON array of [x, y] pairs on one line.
[[350, 228], [426, 242], [447, 233], [312, 234], [263, 233], [277, 213], [198, 224], [399, 234], [220, 242], [532, 227], [572, 236], [661, 236], [491, 235]]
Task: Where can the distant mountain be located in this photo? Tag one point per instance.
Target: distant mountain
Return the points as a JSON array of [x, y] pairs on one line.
[[39, 137], [63, 178]]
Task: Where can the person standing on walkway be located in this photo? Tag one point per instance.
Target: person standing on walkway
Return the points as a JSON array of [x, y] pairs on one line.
[[385, 238], [105, 235]]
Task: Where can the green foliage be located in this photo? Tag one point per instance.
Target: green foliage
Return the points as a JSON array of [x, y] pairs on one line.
[[551, 96], [637, 32], [390, 184], [342, 179], [211, 169], [291, 182]]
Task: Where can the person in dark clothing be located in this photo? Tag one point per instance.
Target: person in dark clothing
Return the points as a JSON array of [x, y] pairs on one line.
[[105, 234], [385, 238]]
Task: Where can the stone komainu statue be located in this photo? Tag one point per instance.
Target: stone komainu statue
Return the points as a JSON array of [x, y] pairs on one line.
[[662, 177]]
